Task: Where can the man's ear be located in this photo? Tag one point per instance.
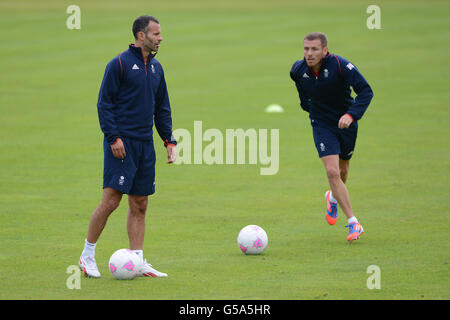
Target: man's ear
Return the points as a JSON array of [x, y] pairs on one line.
[[141, 35]]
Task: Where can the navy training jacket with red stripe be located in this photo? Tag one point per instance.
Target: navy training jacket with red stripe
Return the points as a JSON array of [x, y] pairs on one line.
[[328, 97], [132, 97]]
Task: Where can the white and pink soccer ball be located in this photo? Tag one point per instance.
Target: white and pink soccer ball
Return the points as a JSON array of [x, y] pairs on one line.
[[125, 264], [252, 239]]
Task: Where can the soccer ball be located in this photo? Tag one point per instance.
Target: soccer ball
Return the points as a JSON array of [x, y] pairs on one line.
[[125, 264], [252, 239]]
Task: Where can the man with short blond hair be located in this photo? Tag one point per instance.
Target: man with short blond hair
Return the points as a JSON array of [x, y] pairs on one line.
[[318, 35], [324, 83]]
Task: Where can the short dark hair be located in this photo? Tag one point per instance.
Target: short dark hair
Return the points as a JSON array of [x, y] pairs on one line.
[[318, 35], [141, 24]]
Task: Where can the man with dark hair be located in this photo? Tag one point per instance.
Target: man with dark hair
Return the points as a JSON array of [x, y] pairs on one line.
[[132, 97], [323, 82], [141, 24]]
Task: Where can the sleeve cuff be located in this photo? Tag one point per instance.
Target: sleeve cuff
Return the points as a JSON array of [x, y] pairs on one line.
[[350, 116], [111, 139], [167, 142]]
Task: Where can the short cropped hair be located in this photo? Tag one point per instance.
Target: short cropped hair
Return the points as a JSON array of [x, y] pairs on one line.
[[141, 24], [318, 35]]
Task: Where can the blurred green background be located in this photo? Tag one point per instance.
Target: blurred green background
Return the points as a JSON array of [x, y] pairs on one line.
[[224, 63]]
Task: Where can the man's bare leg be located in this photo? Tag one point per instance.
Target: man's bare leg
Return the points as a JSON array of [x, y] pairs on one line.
[[136, 221], [338, 188], [110, 201], [344, 166]]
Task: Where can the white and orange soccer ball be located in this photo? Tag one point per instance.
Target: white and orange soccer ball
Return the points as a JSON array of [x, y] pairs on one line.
[[252, 239], [125, 264]]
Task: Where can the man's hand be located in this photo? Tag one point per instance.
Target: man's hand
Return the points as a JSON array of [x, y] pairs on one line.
[[345, 121], [171, 153], [118, 149]]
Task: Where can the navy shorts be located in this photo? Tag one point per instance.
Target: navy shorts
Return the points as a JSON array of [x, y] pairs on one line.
[[332, 140], [135, 174]]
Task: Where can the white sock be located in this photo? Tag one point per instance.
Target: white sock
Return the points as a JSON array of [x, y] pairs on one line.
[[89, 249], [331, 198], [140, 253], [352, 219]]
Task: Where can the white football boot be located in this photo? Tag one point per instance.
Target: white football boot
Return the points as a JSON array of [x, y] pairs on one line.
[[89, 266], [148, 271]]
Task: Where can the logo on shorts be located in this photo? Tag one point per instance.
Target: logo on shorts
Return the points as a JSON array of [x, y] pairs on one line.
[[322, 147], [121, 180], [350, 153]]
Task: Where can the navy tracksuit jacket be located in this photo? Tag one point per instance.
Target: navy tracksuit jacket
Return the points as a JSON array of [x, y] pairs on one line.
[[133, 94], [328, 97]]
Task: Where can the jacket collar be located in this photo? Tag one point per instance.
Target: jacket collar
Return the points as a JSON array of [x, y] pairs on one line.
[[137, 51], [324, 60], [327, 56]]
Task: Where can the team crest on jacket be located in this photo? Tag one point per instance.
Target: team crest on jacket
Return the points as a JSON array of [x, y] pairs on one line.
[[325, 73], [350, 66]]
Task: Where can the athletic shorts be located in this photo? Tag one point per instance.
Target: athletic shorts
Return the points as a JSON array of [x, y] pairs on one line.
[[135, 174], [332, 140]]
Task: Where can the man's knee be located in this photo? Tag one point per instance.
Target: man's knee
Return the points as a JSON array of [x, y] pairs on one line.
[[333, 173], [343, 167], [111, 199], [138, 204], [344, 173]]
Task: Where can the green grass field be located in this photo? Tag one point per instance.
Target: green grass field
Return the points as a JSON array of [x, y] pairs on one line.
[[224, 63]]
